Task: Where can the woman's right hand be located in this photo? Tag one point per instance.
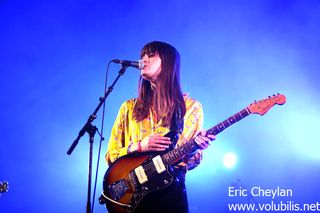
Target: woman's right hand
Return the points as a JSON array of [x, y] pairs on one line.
[[154, 143]]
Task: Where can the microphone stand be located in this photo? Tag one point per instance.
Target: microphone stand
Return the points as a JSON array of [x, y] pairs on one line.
[[91, 130]]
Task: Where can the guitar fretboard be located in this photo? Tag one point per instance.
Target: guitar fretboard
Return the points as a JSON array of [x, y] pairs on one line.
[[175, 155]]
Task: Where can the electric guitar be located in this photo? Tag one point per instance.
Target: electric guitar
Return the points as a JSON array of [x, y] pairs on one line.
[[132, 177], [4, 186]]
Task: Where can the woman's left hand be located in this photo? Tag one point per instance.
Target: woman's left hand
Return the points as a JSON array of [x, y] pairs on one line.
[[204, 140]]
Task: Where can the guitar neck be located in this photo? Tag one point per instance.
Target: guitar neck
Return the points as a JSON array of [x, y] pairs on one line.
[[175, 155], [228, 122]]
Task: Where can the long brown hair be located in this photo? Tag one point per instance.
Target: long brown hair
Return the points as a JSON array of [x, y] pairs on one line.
[[167, 97]]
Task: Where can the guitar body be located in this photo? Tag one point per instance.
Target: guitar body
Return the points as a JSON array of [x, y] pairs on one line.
[[122, 186]]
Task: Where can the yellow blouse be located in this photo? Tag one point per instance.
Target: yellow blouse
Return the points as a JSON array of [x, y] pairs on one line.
[[126, 130]]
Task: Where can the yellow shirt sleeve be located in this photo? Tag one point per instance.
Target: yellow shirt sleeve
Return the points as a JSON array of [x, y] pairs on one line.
[[193, 123], [118, 145], [193, 120]]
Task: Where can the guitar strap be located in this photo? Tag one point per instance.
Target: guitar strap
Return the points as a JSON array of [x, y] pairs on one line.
[[176, 128], [177, 122]]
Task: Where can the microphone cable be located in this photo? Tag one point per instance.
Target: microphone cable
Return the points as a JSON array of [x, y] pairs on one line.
[[101, 137]]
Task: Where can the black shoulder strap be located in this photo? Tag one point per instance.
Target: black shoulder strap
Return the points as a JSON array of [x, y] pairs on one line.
[[177, 122], [176, 128]]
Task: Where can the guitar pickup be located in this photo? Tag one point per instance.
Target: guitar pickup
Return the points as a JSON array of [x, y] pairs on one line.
[[141, 174], [158, 163]]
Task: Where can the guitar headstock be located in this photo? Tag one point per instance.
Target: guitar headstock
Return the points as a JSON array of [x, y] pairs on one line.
[[4, 186], [261, 107]]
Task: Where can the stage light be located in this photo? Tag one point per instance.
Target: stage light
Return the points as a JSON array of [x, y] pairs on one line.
[[229, 160]]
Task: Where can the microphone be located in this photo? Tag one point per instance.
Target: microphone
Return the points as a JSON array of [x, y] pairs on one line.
[[136, 64]]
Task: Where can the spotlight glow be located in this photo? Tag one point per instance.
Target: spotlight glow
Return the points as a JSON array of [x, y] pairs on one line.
[[229, 160]]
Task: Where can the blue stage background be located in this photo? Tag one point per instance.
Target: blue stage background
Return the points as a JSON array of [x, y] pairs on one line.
[[53, 61]]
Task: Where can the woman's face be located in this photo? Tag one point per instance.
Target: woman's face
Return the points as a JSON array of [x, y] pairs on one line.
[[152, 66]]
